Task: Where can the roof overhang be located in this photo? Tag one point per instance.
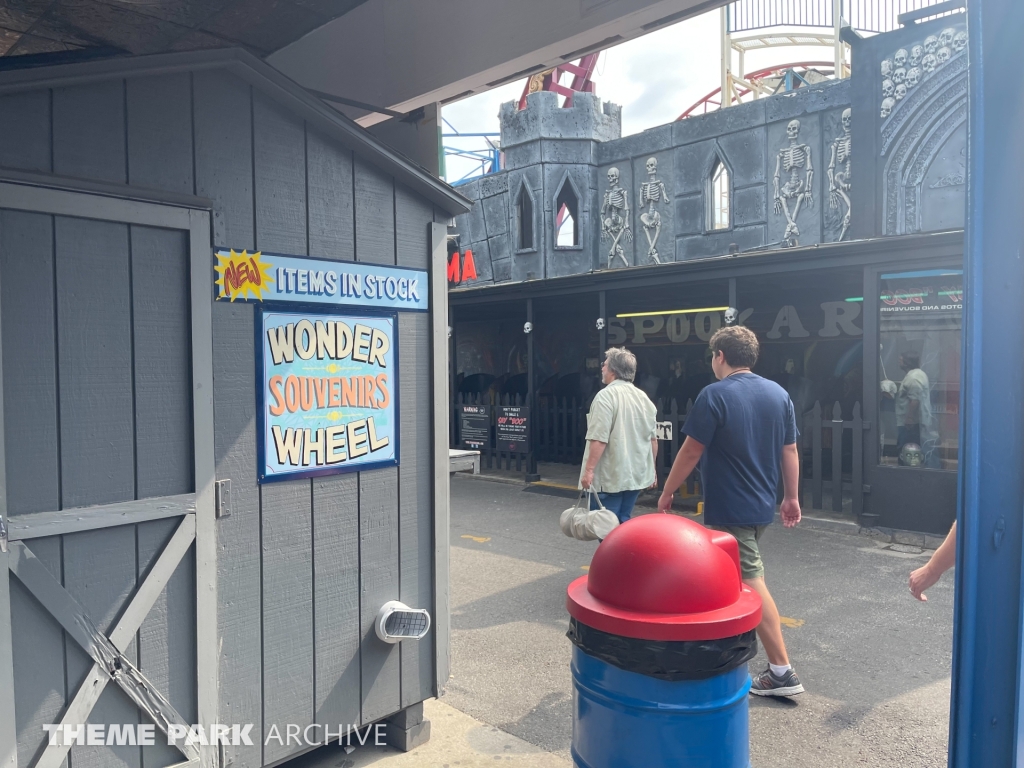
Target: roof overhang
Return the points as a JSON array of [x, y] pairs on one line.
[[404, 54], [934, 245]]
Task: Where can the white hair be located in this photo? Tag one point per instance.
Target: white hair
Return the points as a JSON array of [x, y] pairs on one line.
[[621, 362]]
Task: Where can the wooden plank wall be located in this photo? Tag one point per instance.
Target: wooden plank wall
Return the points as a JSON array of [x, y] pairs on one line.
[[97, 397], [295, 609]]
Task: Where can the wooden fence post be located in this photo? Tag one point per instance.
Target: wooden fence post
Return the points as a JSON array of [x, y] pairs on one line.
[[816, 480], [857, 473], [837, 459]]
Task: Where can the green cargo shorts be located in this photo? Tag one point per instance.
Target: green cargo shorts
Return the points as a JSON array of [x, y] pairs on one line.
[[748, 537]]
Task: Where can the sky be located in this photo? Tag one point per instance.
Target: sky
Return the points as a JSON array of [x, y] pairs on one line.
[[654, 78]]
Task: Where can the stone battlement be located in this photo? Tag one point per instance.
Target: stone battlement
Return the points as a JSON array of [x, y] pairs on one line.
[[587, 118]]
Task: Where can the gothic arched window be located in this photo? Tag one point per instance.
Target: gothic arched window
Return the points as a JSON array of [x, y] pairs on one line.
[[524, 219], [567, 216], [719, 191]]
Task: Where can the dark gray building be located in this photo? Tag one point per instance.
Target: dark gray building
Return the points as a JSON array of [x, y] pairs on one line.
[[828, 219]]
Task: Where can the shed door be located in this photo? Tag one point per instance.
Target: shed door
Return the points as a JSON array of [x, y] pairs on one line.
[[107, 468]]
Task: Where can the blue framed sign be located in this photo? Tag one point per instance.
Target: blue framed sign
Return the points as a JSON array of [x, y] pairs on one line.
[[261, 277], [328, 392]]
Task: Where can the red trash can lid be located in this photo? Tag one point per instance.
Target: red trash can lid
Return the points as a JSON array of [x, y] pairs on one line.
[[663, 577]]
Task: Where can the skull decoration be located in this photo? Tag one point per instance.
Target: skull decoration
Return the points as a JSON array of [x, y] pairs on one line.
[[652, 165], [730, 316], [887, 105], [931, 44], [946, 36], [913, 77], [886, 68], [887, 88], [449, 331], [847, 119], [900, 57], [613, 176], [899, 75], [943, 54], [527, 327], [959, 41], [793, 129], [901, 91], [916, 52], [600, 323], [911, 455], [929, 62]]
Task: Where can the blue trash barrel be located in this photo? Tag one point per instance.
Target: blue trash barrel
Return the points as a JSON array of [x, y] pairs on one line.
[[662, 627]]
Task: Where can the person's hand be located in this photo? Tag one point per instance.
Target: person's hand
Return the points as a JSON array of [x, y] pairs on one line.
[[654, 483], [587, 480], [790, 512], [665, 502], [920, 580]]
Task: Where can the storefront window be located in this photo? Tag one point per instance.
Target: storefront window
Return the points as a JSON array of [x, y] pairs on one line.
[[919, 368]]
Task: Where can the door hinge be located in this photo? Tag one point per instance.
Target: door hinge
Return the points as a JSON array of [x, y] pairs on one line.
[[223, 498]]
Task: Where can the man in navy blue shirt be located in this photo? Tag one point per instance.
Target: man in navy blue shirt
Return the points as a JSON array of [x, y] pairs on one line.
[[743, 431]]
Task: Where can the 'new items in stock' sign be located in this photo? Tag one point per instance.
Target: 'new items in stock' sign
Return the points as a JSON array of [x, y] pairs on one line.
[[272, 277], [327, 357]]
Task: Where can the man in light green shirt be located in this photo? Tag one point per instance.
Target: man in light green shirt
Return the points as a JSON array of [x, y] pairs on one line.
[[621, 442]]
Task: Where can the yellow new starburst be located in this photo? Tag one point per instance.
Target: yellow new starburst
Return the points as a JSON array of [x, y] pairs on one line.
[[243, 273]]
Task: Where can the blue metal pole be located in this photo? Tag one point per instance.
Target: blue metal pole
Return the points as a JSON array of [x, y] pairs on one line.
[[985, 711]]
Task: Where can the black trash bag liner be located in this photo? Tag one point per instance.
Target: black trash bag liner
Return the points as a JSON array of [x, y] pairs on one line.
[[671, 660]]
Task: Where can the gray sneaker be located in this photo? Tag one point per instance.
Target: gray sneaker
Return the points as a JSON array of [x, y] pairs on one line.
[[767, 684]]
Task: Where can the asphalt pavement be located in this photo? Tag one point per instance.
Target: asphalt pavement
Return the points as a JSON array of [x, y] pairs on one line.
[[875, 661]]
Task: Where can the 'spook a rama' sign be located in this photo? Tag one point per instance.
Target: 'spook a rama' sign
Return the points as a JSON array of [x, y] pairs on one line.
[[327, 358]]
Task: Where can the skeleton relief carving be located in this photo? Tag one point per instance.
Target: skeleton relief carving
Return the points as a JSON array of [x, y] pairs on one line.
[[615, 218], [839, 173], [652, 194], [910, 66], [793, 160]]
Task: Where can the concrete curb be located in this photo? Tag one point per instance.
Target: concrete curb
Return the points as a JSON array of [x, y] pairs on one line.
[[814, 522], [489, 478]]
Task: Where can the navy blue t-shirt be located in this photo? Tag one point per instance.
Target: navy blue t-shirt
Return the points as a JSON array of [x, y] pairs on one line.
[[743, 421]]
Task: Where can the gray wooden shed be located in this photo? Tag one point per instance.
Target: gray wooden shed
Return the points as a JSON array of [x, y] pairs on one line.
[[145, 574]]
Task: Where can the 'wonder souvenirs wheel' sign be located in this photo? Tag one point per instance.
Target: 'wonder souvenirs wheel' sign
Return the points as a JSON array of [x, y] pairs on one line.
[[329, 390]]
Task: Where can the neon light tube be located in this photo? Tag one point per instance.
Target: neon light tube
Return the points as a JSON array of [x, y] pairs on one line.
[[673, 312]]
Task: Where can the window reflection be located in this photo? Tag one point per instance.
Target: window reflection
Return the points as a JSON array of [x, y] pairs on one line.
[[919, 367], [720, 196]]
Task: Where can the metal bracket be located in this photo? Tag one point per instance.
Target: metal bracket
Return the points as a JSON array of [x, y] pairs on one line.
[[3, 534], [223, 498]]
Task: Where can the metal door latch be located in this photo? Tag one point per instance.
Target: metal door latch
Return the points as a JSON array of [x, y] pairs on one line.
[[223, 498], [3, 534]]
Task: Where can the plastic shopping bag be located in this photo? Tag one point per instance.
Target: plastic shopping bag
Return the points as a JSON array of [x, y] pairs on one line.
[[586, 524]]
